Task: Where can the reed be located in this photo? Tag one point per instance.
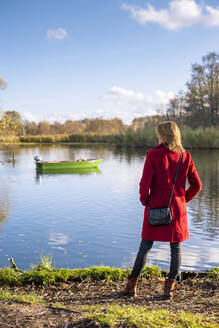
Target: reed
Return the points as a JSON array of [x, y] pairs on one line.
[[206, 138], [45, 138], [201, 138], [140, 139]]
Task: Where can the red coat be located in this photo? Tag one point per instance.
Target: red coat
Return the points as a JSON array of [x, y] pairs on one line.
[[155, 189]]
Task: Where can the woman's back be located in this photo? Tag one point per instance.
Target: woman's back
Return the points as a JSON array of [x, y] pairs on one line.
[[156, 186], [164, 164], [155, 190]]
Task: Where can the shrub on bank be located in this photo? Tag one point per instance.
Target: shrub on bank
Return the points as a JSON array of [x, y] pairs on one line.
[[9, 139]]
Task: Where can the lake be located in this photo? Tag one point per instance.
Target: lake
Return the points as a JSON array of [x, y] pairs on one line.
[[83, 220]]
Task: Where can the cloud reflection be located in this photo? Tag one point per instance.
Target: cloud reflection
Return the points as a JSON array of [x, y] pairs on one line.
[[57, 239]]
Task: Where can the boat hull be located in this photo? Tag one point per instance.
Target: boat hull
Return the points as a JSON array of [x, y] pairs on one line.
[[64, 165]]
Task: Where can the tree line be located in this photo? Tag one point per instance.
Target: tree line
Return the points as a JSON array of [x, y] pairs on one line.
[[196, 107], [11, 124]]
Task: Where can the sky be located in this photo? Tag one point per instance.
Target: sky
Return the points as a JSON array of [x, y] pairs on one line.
[[76, 59]]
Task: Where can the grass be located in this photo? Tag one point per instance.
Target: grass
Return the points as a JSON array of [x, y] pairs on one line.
[[114, 315], [22, 297], [44, 273], [86, 301], [45, 263], [214, 273]]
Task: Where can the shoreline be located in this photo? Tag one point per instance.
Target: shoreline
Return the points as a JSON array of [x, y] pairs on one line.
[[93, 299], [13, 276], [108, 144]]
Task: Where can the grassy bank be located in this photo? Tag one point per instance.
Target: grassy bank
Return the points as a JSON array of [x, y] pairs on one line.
[[202, 138], [91, 297], [75, 138], [44, 273]]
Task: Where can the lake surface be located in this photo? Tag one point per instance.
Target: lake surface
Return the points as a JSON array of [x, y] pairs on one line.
[[83, 220]]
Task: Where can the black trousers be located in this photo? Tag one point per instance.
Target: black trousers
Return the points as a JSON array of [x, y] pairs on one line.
[[144, 249]]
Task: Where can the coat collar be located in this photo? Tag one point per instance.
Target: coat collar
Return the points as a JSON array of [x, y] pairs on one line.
[[161, 145]]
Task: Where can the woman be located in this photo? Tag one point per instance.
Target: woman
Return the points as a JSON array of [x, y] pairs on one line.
[[155, 189]]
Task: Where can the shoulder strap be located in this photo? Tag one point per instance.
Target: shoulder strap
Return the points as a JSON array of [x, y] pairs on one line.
[[177, 170]]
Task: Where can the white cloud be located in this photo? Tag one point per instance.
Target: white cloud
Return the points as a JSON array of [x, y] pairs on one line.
[[57, 239], [121, 94], [28, 116], [213, 16], [63, 117], [179, 14], [58, 34], [159, 98], [127, 104]]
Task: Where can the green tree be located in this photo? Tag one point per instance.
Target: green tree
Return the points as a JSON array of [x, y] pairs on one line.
[[16, 118], [14, 115], [202, 96], [176, 108], [211, 66], [7, 126]]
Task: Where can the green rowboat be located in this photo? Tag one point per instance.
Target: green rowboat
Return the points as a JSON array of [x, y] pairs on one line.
[[44, 166]]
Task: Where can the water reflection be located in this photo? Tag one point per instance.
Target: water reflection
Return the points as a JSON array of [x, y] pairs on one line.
[[87, 171], [205, 208], [129, 154], [57, 240], [70, 152], [4, 202], [94, 217]]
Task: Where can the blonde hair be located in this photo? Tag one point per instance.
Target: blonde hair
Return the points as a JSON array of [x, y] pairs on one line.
[[169, 133]]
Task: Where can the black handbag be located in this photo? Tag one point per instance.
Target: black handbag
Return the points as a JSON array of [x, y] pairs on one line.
[[162, 216]]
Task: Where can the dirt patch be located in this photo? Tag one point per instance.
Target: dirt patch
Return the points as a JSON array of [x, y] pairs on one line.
[[193, 295]]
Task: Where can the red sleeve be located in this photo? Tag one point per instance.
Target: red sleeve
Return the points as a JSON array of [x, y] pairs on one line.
[[145, 182], [194, 182]]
